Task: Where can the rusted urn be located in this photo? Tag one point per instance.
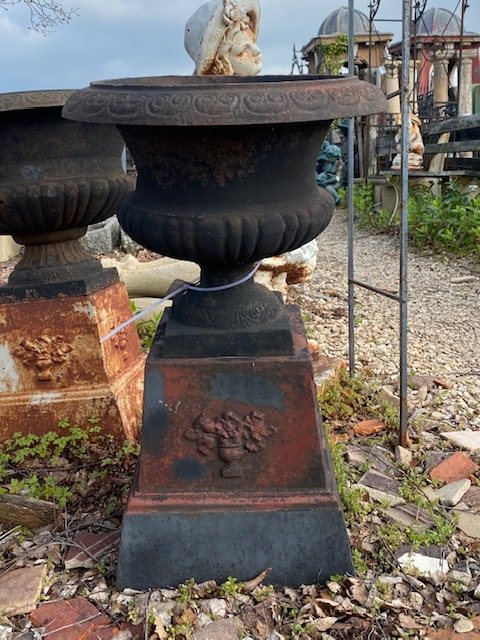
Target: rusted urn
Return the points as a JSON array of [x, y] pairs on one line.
[[226, 177], [56, 178]]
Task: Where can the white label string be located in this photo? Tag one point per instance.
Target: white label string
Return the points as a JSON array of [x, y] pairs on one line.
[[190, 286]]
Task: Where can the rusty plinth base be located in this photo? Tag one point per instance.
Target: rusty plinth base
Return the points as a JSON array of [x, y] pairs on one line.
[[52, 365], [234, 474]]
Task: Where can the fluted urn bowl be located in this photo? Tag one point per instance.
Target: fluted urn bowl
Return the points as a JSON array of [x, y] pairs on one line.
[[56, 178], [226, 175]]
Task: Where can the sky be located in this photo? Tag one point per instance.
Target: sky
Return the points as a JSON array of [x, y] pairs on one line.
[[125, 38]]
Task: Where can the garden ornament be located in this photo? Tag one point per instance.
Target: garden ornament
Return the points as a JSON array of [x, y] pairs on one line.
[[221, 38]]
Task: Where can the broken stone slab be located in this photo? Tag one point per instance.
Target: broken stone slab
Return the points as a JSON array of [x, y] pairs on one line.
[[75, 619], [377, 458], [418, 381], [154, 278], [456, 467], [451, 494], [102, 237], [463, 625], [227, 629], [429, 493], [423, 566], [472, 498], [380, 481], [408, 515], [356, 456], [389, 397], [381, 488], [89, 548], [20, 589], [469, 523], [460, 573], [216, 607], [26, 512], [466, 439], [403, 456]]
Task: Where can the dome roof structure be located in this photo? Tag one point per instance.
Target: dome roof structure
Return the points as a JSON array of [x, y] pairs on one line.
[[439, 22], [337, 22]]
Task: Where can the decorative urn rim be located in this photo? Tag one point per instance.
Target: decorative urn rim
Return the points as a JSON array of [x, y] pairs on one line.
[[222, 101], [41, 99]]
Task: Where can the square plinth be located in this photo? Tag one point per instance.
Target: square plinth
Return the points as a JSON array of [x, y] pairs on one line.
[[234, 474], [53, 366]]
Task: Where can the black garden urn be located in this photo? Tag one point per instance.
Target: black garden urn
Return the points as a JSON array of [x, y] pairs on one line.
[[56, 178], [234, 473]]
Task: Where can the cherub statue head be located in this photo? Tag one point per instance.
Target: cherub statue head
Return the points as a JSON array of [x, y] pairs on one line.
[[221, 38]]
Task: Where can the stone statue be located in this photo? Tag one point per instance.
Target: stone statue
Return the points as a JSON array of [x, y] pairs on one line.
[[417, 148], [221, 38], [327, 164]]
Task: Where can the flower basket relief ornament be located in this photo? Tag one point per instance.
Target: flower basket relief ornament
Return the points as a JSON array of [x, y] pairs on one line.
[[230, 438]]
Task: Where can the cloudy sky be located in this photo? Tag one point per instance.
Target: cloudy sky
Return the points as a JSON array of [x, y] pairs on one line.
[[121, 38]]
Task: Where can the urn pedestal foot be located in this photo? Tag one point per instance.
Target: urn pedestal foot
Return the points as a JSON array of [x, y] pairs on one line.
[[52, 365], [234, 474], [251, 332], [56, 264]]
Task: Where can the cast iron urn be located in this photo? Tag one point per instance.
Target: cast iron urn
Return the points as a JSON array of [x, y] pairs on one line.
[[56, 178], [234, 473], [226, 177]]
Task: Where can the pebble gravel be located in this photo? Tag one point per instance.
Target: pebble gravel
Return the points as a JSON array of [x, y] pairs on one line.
[[444, 318]]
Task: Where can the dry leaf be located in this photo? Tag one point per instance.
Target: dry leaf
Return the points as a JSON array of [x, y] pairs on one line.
[[368, 427], [408, 622], [262, 630], [358, 591], [323, 624]]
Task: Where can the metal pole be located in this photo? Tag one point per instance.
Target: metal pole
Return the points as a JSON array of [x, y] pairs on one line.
[[460, 56], [351, 222], [406, 24]]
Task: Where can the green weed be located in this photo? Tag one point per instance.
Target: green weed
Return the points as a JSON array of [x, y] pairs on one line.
[[146, 329], [449, 221], [61, 464]]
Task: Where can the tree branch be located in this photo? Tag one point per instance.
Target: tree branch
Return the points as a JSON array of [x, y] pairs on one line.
[[44, 14]]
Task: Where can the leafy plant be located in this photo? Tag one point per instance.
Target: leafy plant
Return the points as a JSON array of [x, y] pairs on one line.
[[146, 329], [332, 55], [230, 587], [187, 591], [448, 221], [60, 465], [344, 397]]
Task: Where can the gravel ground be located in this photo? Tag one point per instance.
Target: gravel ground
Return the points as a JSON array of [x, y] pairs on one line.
[[444, 318]]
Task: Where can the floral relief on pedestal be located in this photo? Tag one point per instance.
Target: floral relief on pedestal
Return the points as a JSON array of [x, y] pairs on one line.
[[230, 437], [44, 354]]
